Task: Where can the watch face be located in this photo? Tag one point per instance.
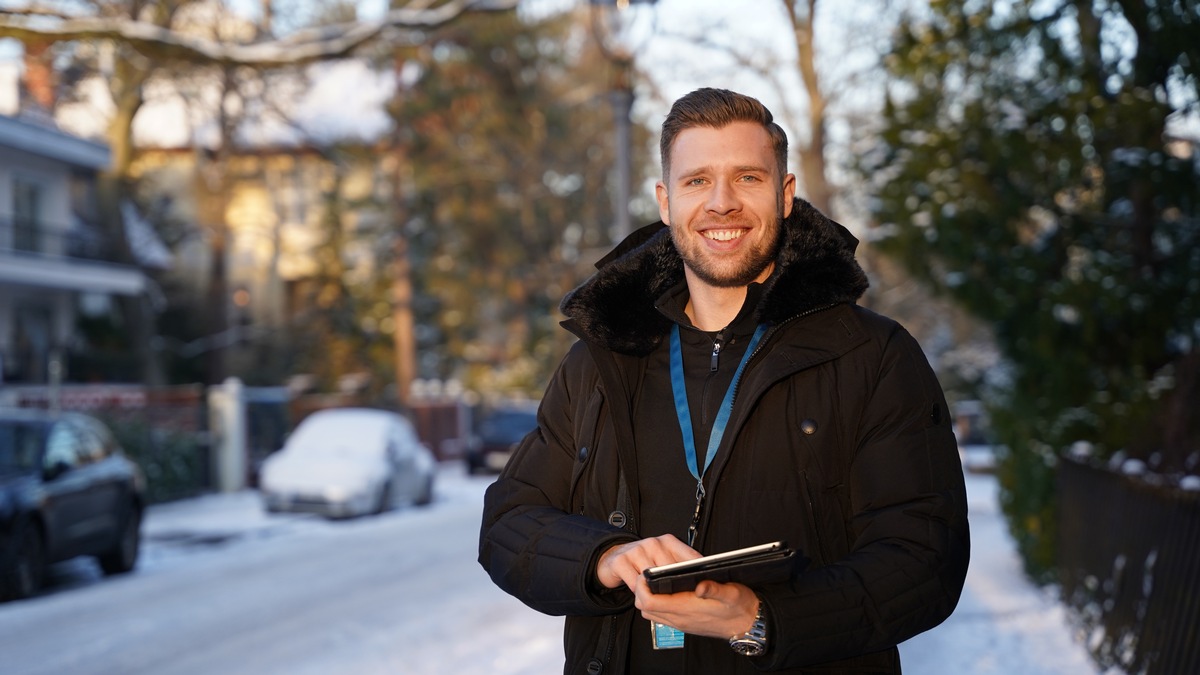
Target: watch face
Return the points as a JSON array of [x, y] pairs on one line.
[[747, 647]]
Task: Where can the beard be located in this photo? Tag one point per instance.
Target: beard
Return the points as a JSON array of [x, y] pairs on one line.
[[729, 271]]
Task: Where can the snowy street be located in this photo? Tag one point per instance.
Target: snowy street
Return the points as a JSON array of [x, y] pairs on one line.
[[224, 588]]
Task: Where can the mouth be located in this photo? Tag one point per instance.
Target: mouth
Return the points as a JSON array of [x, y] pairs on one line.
[[723, 235]]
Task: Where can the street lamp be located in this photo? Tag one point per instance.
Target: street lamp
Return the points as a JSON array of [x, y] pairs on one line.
[[612, 23]]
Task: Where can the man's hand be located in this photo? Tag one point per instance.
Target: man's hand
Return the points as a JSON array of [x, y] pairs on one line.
[[713, 609], [623, 564]]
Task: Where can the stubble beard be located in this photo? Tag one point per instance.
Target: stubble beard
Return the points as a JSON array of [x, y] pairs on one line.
[[722, 273]]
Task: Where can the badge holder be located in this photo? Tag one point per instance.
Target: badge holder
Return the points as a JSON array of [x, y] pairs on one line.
[[666, 637]]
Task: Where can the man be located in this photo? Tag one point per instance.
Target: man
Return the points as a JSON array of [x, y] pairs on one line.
[[727, 391]]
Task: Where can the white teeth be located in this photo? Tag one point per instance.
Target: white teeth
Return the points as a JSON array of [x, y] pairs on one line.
[[723, 235]]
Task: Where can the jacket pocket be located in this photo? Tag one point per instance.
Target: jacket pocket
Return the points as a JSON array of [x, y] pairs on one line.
[[822, 509]]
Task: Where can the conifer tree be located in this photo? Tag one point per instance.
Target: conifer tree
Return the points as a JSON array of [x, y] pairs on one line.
[[1034, 166]]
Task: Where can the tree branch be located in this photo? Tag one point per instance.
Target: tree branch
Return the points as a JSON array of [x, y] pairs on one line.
[[303, 46]]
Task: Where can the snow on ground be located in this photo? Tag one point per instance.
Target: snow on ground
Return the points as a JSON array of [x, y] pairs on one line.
[[1004, 624]]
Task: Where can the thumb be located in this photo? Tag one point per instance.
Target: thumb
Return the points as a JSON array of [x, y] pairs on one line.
[[706, 589]]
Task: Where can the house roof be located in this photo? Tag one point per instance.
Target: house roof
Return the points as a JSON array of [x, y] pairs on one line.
[[44, 140]]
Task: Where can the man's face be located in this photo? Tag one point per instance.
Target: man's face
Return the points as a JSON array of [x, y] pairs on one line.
[[724, 202]]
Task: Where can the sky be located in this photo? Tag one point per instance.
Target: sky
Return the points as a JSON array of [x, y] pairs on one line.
[[673, 66]]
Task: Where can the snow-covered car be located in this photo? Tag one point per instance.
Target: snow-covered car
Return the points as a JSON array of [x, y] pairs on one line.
[[346, 462], [66, 489]]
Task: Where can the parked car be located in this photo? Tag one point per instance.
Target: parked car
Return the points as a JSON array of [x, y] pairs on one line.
[[347, 462], [66, 489], [497, 435]]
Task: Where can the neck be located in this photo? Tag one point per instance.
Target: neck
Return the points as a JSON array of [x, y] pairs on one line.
[[712, 308]]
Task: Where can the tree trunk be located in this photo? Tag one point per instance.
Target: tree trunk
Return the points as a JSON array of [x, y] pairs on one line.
[[112, 191], [403, 337], [812, 155]]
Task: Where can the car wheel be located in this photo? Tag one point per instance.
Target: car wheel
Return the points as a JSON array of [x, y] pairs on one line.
[[425, 496], [123, 556], [29, 563]]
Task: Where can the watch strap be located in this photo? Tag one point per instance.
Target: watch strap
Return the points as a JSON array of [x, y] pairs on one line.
[[754, 641]]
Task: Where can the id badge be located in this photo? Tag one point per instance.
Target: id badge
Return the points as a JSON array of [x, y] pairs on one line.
[[666, 637]]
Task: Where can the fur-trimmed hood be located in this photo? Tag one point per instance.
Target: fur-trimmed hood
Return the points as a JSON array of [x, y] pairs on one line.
[[814, 268]]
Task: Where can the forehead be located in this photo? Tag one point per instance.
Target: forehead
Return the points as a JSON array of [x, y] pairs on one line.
[[736, 144]]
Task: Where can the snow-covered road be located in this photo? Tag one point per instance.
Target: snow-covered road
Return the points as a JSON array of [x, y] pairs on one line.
[[224, 588]]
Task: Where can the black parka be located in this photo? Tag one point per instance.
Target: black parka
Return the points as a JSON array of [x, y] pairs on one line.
[[839, 443]]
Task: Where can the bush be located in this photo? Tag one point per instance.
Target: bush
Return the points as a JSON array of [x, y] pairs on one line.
[[174, 462]]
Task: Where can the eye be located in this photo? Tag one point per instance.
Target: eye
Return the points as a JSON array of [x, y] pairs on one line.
[[749, 178], [695, 181]]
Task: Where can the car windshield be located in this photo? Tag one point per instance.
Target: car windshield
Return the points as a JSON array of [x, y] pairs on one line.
[[507, 426], [338, 436], [20, 443]]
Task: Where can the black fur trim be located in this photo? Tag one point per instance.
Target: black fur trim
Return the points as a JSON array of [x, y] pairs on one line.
[[815, 268]]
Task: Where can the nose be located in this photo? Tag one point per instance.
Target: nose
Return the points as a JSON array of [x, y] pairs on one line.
[[723, 198]]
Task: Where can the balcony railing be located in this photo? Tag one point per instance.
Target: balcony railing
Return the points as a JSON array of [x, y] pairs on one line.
[[51, 240]]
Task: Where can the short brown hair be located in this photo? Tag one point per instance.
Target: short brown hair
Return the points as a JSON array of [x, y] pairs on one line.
[[716, 108]]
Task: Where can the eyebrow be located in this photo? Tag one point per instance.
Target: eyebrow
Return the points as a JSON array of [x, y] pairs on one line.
[[742, 168]]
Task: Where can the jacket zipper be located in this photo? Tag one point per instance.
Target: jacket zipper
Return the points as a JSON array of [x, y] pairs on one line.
[[762, 345], [816, 528], [612, 639]]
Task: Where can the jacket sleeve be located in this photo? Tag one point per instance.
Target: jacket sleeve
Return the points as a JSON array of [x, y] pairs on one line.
[[530, 543], [908, 536]]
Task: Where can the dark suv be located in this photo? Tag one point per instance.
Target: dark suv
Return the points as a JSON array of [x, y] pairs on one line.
[[497, 435], [66, 489]]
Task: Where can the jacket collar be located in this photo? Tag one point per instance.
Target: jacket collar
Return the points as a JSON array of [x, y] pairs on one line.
[[815, 268]]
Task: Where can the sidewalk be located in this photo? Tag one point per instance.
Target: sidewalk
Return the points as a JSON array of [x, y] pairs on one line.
[[1003, 624]]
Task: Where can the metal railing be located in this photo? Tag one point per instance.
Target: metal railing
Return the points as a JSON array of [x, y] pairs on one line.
[[55, 240], [1129, 564]]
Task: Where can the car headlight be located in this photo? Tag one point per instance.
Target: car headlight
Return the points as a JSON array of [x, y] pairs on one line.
[[336, 493]]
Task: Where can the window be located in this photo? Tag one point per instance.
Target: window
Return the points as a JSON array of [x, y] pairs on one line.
[[27, 212], [65, 447], [20, 444], [97, 442]]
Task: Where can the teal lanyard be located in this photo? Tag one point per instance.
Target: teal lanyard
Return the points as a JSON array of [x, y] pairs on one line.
[[684, 413]]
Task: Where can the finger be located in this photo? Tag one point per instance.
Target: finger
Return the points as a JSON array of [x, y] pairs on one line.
[[676, 549], [707, 590], [624, 563], [726, 594]]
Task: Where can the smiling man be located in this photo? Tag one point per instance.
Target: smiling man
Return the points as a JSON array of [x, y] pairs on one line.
[[727, 391]]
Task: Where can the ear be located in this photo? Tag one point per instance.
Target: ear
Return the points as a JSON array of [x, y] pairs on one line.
[[789, 193], [664, 202]]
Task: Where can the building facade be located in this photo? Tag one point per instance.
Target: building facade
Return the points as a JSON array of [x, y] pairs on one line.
[[57, 263]]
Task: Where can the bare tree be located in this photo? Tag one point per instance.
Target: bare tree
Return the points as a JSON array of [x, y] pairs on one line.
[[144, 37]]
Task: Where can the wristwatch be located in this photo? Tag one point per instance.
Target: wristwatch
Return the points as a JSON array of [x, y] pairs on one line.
[[754, 641]]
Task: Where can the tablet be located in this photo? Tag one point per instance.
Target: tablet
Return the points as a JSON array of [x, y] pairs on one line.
[[753, 565]]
